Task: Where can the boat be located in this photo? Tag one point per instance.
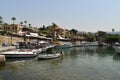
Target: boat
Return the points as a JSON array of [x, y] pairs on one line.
[[19, 53], [22, 50], [117, 48], [43, 45], [49, 54], [84, 43]]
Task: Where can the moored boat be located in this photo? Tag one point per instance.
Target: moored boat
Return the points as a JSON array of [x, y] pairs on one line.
[[48, 56], [19, 53], [50, 53], [117, 48]]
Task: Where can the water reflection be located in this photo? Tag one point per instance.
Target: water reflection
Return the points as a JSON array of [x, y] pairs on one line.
[[2, 67], [100, 51], [116, 57]]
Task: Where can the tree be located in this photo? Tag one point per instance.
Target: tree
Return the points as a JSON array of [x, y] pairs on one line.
[[1, 20], [90, 37], [73, 32], [101, 36], [112, 39], [43, 27], [13, 18], [21, 23], [29, 25], [25, 23]]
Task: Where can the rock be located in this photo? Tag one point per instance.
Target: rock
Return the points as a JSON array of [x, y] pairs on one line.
[[2, 59]]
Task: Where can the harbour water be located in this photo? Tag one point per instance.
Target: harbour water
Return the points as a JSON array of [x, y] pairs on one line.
[[78, 63]]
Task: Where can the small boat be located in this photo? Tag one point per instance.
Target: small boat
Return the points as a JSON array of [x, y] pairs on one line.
[[19, 53], [48, 56]]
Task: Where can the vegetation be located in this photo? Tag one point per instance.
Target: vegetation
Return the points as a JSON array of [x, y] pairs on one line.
[[90, 37], [73, 32], [101, 36], [25, 23], [1, 20], [3, 33], [13, 18], [21, 23], [112, 39], [44, 30], [29, 25]]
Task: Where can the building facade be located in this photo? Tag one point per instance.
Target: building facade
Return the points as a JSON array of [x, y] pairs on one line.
[[11, 28]]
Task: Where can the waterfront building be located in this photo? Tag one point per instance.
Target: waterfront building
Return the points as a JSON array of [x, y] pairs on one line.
[[12, 28]]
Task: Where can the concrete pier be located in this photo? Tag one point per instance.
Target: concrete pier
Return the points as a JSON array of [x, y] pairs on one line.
[[2, 59]]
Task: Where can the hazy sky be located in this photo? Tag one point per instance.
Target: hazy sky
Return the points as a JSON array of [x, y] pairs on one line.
[[83, 15]]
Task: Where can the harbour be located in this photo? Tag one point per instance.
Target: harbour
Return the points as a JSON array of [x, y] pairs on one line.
[[59, 40], [78, 63]]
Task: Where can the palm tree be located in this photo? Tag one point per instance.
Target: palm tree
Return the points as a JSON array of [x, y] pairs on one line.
[[21, 23], [13, 18], [29, 25], [25, 23], [1, 20]]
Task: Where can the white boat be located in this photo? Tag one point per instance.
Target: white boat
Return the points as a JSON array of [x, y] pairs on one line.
[[19, 53], [48, 56], [84, 43], [117, 48], [45, 45]]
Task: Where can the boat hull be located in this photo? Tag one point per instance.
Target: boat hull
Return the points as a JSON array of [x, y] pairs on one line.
[[117, 48], [48, 56], [19, 54]]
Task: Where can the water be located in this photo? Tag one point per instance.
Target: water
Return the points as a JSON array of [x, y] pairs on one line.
[[80, 63]]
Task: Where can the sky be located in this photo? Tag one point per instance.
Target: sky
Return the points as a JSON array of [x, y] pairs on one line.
[[83, 15]]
